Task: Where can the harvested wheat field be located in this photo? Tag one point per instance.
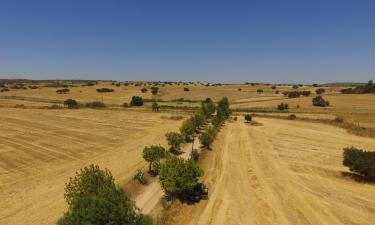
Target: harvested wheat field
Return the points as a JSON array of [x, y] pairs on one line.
[[41, 149], [284, 172]]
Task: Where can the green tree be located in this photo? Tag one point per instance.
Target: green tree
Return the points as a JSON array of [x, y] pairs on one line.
[[188, 128], [93, 198], [136, 101], [178, 176], [153, 154], [174, 140], [208, 137], [248, 118], [71, 103], [155, 106]]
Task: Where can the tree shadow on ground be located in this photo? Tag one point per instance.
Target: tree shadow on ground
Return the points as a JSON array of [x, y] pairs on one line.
[[359, 178]]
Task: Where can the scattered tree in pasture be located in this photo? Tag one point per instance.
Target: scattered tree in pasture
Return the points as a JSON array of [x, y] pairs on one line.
[[136, 101], [320, 91], [319, 101], [63, 91], [103, 90], [155, 107], [71, 103], [144, 90], [186, 89], [283, 106], [259, 91], [154, 90], [360, 161]]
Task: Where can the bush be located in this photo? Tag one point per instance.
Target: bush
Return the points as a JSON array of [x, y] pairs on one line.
[[71, 103], [283, 106], [125, 104], [295, 86], [186, 89], [319, 101], [320, 91], [95, 105], [136, 101], [140, 177], [155, 107], [359, 161], [248, 118], [93, 198], [239, 89], [63, 91], [259, 91], [273, 87], [178, 176], [294, 94], [174, 140], [101, 90], [292, 117], [144, 90], [339, 119]]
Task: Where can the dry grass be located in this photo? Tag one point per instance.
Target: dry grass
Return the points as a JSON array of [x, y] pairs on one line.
[[41, 149]]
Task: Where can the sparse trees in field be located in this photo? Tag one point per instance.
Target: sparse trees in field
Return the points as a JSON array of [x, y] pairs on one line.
[[360, 161], [71, 103], [178, 176], [93, 198], [153, 154], [361, 89], [248, 118], [319, 101], [136, 101], [174, 140], [320, 91], [283, 106]]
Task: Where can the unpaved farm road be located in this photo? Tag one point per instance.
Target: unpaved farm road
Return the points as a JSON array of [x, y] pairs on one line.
[[148, 199], [284, 172]]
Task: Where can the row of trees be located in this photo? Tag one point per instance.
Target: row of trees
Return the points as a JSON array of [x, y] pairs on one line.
[[296, 94], [361, 89], [360, 161]]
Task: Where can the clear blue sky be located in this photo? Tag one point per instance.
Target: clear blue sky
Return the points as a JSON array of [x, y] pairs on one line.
[[221, 41]]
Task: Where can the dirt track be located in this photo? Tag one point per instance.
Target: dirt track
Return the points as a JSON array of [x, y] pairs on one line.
[[285, 172]]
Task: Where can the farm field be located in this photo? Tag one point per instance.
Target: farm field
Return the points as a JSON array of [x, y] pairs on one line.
[[284, 172], [41, 149]]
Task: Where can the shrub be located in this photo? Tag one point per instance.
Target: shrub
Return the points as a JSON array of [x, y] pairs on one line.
[[186, 89], [101, 90], [153, 154], [294, 94], [292, 117], [305, 93], [277, 92], [63, 91], [283, 106], [140, 177], [178, 176], [95, 105], [339, 119], [259, 91], [248, 118], [174, 140], [125, 104], [239, 89], [319, 101], [273, 87], [93, 198], [144, 90], [136, 101], [320, 91], [295, 86], [71, 103], [360, 161]]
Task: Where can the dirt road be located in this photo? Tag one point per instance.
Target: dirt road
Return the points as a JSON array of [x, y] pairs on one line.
[[284, 172], [148, 199]]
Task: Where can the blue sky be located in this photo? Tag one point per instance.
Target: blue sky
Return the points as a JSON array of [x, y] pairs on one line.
[[220, 41]]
